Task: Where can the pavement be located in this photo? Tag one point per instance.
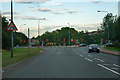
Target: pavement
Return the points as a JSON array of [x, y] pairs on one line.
[[68, 62], [110, 51]]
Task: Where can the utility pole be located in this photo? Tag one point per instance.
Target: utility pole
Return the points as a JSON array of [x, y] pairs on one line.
[[39, 30], [12, 31], [28, 41], [107, 26]]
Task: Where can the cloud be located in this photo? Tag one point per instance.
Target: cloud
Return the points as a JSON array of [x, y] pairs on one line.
[[89, 27], [22, 17], [96, 2], [49, 10], [58, 13], [72, 11], [53, 3], [7, 13], [30, 1], [44, 10]]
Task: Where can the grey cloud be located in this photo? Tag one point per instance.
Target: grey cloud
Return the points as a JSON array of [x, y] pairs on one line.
[[96, 2], [7, 13], [44, 10], [73, 11], [26, 17], [30, 1], [58, 13]]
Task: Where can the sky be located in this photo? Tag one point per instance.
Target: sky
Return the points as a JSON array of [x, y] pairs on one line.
[[81, 15]]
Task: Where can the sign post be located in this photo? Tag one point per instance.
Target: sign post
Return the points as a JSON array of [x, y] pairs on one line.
[[11, 27]]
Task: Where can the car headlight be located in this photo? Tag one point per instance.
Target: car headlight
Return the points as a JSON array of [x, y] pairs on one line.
[[90, 48]]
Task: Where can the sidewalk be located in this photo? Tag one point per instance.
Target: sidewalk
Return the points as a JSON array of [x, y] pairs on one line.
[[110, 51]]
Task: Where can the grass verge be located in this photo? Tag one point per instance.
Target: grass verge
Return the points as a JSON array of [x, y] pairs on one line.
[[19, 55], [113, 48]]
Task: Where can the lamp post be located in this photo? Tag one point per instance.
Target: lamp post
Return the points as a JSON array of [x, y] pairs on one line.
[[107, 24], [39, 28], [69, 34]]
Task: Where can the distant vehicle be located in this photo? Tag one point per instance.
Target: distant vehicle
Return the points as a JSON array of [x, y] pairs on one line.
[[109, 45], [83, 45], [94, 48]]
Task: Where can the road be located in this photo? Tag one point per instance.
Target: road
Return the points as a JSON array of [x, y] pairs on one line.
[[65, 62]]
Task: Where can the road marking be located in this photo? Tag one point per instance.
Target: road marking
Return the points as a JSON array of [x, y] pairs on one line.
[[89, 55], [107, 64], [88, 59], [81, 55], [116, 65], [108, 69], [77, 53], [115, 68], [99, 59]]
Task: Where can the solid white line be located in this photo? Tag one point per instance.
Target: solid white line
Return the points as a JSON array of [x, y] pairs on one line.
[[108, 69], [88, 59], [99, 59], [116, 65]]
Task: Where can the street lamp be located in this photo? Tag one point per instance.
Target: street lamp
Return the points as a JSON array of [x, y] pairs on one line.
[[102, 11], [69, 34], [39, 27], [107, 24]]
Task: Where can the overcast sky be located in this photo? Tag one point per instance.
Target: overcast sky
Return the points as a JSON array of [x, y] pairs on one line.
[[80, 15]]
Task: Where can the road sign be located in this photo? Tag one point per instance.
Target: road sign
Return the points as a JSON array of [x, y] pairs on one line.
[[11, 27], [37, 41], [101, 39], [24, 41], [47, 40], [71, 40], [31, 41], [64, 39]]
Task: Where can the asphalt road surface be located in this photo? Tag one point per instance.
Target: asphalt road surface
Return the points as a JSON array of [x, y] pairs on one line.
[[65, 62]]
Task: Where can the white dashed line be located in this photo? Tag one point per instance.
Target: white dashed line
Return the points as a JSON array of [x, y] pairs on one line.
[[116, 65], [108, 69], [115, 68], [88, 59], [81, 55], [99, 59], [89, 55], [77, 53]]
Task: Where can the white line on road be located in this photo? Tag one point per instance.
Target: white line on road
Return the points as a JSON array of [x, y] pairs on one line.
[[77, 53], [89, 55], [88, 59], [108, 69], [115, 68], [116, 65], [81, 55], [99, 59]]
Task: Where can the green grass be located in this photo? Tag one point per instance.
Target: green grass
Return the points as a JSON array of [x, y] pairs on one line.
[[19, 55], [113, 48]]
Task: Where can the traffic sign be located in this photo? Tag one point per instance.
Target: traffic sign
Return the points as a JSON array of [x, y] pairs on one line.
[[24, 41], [11, 27], [101, 39], [47, 40]]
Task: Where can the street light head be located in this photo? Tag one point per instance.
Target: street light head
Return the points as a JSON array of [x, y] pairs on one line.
[[98, 11]]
